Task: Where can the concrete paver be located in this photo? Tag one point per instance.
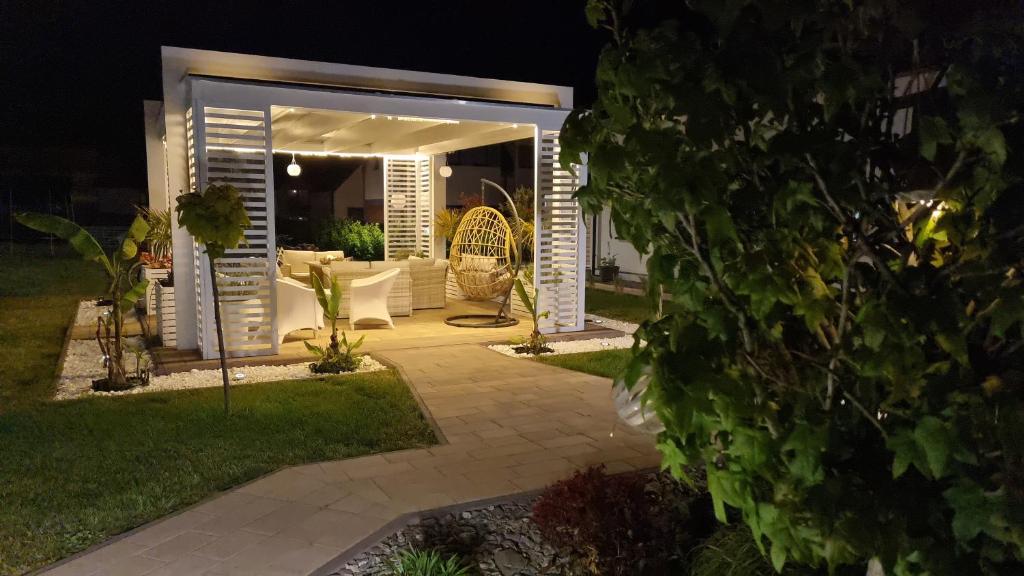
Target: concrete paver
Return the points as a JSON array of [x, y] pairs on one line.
[[510, 425]]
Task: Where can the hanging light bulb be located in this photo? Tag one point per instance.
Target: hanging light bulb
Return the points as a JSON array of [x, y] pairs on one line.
[[294, 169], [445, 171]]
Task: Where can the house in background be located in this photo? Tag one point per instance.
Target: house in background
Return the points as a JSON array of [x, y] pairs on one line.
[[376, 140]]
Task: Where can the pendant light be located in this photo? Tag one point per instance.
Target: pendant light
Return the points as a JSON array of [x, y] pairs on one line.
[[294, 169]]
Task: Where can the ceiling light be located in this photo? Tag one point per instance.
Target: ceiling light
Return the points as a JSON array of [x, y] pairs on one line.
[[294, 169], [445, 171]]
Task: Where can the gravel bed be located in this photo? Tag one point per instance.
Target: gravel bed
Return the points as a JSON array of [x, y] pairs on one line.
[[621, 326], [496, 540], [83, 364], [589, 345], [499, 540], [88, 311]]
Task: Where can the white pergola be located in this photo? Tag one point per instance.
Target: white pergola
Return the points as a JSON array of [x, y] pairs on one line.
[[224, 115]]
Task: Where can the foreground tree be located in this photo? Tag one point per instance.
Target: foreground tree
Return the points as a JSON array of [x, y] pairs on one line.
[[217, 219], [831, 191]]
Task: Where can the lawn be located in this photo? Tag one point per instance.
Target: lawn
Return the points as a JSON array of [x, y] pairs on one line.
[[607, 363], [39, 294], [78, 472], [625, 307]]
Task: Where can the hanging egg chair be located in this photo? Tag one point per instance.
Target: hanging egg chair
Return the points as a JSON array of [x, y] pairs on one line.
[[483, 254], [484, 260]]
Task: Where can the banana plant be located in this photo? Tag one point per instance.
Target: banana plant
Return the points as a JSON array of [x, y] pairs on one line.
[[332, 359], [536, 343], [123, 290]]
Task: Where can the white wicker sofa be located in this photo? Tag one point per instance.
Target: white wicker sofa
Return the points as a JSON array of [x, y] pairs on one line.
[[295, 263], [420, 283]]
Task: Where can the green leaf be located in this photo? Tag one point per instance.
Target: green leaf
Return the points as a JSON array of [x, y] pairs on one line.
[[721, 229], [78, 237], [934, 438], [975, 511], [778, 554], [137, 291], [524, 297]]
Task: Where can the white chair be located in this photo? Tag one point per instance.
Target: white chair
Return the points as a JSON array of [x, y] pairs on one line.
[[297, 308], [370, 298]]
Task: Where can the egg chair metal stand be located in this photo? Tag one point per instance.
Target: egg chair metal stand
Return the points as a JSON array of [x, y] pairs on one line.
[[485, 260]]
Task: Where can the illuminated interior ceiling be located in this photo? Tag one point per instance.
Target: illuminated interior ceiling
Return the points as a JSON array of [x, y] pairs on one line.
[[305, 130]]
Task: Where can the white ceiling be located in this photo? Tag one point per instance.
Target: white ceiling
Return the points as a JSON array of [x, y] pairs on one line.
[[309, 130]]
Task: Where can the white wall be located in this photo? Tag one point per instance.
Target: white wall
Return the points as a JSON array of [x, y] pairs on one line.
[[632, 264], [465, 181]]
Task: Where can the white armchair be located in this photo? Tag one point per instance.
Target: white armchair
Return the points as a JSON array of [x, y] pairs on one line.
[[297, 308], [370, 298]]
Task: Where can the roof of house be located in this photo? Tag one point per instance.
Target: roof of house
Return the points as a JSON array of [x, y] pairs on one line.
[[186, 61]]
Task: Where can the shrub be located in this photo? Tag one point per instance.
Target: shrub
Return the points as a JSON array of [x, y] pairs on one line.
[[606, 524], [359, 240], [731, 551], [428, 563], [846, 254]]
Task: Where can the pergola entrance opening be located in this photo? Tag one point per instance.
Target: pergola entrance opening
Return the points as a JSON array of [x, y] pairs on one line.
[[387, 151]]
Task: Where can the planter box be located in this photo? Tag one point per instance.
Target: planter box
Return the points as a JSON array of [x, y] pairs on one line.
[[166, 326], [153, 274]]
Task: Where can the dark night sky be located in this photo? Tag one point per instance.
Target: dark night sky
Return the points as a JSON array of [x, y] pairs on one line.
[[74, 73]]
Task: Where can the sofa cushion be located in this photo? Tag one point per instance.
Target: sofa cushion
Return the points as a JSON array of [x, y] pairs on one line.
[[389, 264], [479, 263], [298, 260], [332, 254]]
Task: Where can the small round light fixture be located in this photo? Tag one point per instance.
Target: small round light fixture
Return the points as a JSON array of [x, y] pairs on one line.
[[294, 169], [445, 171]]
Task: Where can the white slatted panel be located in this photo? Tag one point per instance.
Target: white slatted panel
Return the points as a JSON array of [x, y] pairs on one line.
[[236, 144], [560, 241], [408, 210], [202, 288]]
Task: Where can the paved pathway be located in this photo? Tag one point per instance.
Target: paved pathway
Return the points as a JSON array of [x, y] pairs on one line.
[[512, 425]]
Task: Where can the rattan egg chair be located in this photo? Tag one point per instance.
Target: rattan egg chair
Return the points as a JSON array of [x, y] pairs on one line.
[[484, 260], [483, 254]]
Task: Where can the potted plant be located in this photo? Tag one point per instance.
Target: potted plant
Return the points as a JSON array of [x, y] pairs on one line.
[[156, 261], [608, 270]]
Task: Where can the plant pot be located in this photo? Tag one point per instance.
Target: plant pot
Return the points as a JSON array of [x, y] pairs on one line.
[[608, 273]]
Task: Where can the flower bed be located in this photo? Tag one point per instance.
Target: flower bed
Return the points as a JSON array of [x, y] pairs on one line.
[[504, 540], [83, 363], [588, 345]]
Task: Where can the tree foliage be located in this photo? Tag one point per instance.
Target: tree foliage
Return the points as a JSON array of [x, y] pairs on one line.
[[215, 217], [831, 192]]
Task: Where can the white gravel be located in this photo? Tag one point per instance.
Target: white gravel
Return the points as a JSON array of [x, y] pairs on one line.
[[88, 311], [590, 345], [627, 327], [83, 364]]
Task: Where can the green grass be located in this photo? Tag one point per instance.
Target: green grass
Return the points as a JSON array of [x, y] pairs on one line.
[[39, 294], [75, 473], [625, 307], [607, 363]]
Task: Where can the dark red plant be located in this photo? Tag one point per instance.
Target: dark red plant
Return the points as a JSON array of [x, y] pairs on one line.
[[605, 523]]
